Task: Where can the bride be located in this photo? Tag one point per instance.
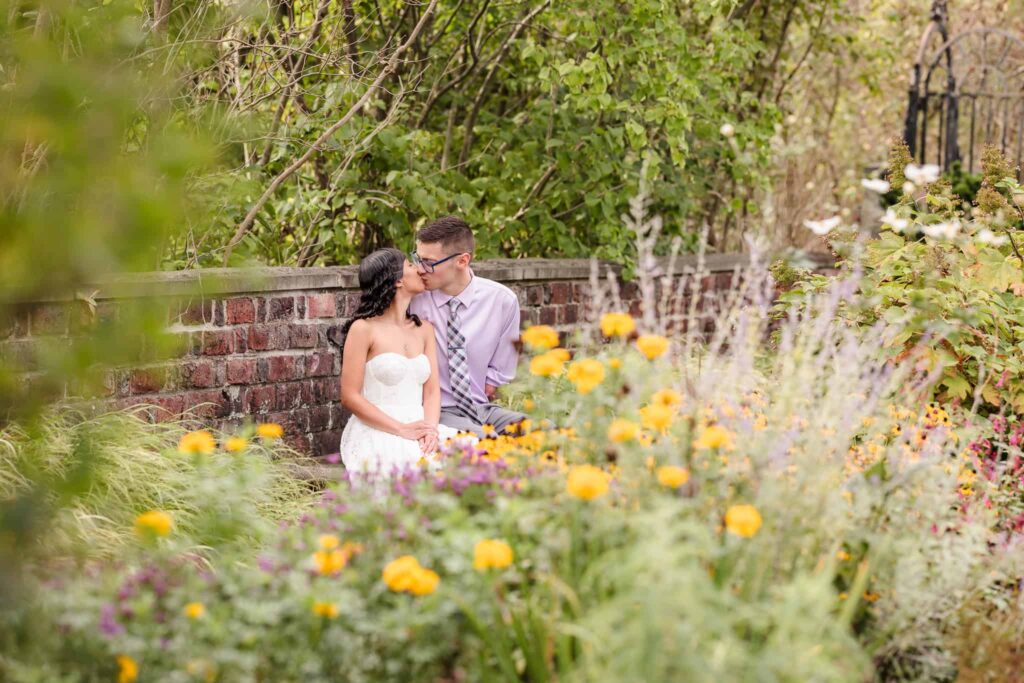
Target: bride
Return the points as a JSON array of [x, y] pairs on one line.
[[389, 376]]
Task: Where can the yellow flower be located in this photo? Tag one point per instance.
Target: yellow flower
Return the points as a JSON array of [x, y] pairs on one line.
[[843, 555], [586, 374], [128, 670], [425, 582], [328, 541], [586, 482], [615, 363], [154, 522], [617, 325], [540, 337], [491, 554], [667, 397], [742, 520], [325, 609], [652, 345], [406, 575], [194, 610], [330, 561], [561, 354], [621, 430], [528, 404], [235, 444], [715, 436], [547, 364], [201, 441], [656, 417], [488, 430], [269, 430], [672, 476]]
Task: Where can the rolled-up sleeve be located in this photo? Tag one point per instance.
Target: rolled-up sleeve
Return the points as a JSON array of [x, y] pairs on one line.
[[502, 367]]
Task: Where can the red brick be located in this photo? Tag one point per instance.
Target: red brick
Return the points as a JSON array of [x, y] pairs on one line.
[[536, 295], [529, 316], [241, 371], [351, 304], [325, 443], [219, 343], [260, 399], [147, 381], [240, 311], [49, 319], [199, 375], [282, 368], [339, 415], [320, 364], [288, 395], [195, 312], [571, 314], [167, 407], [281, 308], [560, 292], [324, 390], [303, 336], [319, 418], [267, 337], [321, 306], [207, 405], [581, 292], [241, 339], [549, 315]]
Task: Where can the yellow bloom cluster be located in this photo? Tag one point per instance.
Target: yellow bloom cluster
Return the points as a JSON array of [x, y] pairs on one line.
[[667, 397], [197, 443], [154, 523], [672, 476], [540, 337], [587, 482], [236, 444], [657, 417], [128, 669], [492, 554], [617, 325], [652, 345], [332, 556], [194, 610], [549, 363], [715, 437], [269, 430], [586, 374], [621, 430], [742, 520], [406, 575], [328, 610]]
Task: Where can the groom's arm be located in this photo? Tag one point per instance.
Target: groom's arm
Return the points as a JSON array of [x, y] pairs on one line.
[[502, 367]]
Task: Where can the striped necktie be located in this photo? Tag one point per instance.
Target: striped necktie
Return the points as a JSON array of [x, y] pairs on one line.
[[458, 363]]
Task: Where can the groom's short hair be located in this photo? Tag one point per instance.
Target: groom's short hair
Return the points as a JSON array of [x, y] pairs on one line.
[[451, 231]]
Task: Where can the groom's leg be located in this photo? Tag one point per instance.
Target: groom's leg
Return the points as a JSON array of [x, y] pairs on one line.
[[454, 418], [499, 417]]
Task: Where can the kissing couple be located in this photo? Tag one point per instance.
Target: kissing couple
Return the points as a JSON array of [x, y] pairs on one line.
[[425, 352]]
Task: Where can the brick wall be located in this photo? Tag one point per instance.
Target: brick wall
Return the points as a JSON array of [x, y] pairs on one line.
[[257, 344]]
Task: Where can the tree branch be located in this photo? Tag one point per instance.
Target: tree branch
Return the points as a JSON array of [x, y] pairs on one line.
[[389, 68]]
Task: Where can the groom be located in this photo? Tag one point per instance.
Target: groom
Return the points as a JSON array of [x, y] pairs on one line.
[[476, 322]]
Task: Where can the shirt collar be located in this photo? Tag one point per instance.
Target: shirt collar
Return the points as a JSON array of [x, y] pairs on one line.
[[466, 296]]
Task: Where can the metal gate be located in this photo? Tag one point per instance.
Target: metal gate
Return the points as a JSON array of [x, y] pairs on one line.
[[966, 91]]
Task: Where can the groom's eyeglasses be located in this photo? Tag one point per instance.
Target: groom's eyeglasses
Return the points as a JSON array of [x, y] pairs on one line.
[[428, 265]]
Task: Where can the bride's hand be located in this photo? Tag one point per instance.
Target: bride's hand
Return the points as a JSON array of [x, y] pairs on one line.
[[415, 430], [429, 443]]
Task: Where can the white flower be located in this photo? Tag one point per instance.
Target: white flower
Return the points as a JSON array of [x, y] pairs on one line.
[[922, 175], [942, 231], [909, 187], [875, 185], [895, 222], [727, 130], [823, 227], [986, 236]]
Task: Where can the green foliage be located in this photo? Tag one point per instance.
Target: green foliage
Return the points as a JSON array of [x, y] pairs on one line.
[[960, 298]]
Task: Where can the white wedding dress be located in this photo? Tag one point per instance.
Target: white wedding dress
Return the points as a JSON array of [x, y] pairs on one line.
[[394, 383]]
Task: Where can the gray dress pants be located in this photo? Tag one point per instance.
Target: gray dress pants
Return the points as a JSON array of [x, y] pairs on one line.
[[486, 414]]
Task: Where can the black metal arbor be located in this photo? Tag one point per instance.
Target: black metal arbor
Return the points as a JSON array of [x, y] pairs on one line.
[[966, 91]]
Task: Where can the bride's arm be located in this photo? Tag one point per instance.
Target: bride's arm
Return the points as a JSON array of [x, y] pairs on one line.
[[353, 367], [432, 387]]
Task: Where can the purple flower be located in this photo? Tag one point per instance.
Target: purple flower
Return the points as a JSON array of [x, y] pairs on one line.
[[109, 624]]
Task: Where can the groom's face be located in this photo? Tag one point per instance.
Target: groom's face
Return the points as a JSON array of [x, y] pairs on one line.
[[445, 273]]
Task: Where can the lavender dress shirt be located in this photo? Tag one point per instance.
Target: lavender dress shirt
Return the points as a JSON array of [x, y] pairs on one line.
[[489, 320]]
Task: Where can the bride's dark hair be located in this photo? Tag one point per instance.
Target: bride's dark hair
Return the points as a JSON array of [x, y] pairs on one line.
[[378, 273]]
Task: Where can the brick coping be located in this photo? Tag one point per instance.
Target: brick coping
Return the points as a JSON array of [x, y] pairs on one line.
[[227, 281]]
